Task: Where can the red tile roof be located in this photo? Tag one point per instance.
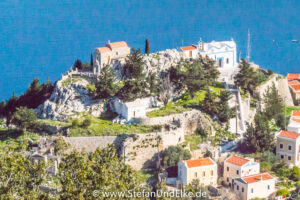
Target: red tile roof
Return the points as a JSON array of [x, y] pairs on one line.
[[187, 48], [296, 119], [288, 134], [257, 177], [103, 49], [296, 88], [293, 77], [294, 82], [199, 162], [115, 45], [296, 113], [236, 160]]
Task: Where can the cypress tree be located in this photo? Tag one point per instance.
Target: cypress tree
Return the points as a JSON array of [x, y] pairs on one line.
[[147, 48], [92, 60]]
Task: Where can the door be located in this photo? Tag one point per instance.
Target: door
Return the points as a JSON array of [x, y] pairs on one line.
[[220, 62], [108, 59], [133, 113], [190, 54]]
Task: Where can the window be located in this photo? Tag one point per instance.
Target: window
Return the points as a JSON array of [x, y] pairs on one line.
[[290, 147], [289, 157], [203, 174], [237, 187], [242, 189], [282, 156], [195, 174], [228, 169], [252, 190], [281, 146], [227, 60], [227, 179], [211, 172], [117, 53], [237, 172], [268, 187]]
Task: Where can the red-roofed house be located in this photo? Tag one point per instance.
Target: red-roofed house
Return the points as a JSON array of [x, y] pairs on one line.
[[294, 123], [294, 86], [190, 51], [291, 77], [237, 167], [254, 186], [204, 169], [288, 147], [115, 51]]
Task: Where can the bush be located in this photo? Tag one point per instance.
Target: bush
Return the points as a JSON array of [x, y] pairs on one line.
[[295, 173], [172, 155], [86, 123], [265, 166], [282, 192], [75, 123]]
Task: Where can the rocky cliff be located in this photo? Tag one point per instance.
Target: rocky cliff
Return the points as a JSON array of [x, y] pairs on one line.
[[69, 99]]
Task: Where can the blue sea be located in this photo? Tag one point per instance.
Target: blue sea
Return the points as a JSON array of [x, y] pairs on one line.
[[43, 38]]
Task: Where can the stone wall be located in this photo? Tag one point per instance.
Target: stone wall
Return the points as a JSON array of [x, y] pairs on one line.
[[141, 151], [189, 121], [282, 86]]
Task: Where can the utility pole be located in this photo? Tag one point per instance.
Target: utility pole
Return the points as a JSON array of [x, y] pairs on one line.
[[248, 47]]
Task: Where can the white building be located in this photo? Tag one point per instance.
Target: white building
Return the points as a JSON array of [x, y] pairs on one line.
[[112, 52], [224, 53], [134, 109], [237, 167], [294, 123], [254, 186]]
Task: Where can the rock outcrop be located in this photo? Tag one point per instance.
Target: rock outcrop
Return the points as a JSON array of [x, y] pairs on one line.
[[69, 100]]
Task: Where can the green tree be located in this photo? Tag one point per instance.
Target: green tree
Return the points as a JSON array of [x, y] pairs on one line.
[[134, 66], [224, 111], [92, 61], [106, 86], [295, 173], [153, 81], [133, 89], [86, 123], [147, 48], [20, 178], [24, 118], [80, 174], [245, 78], [2, 106], [173, 154], [77, 64], [273, 103], [259, 138], [209, 103], [194, 187]]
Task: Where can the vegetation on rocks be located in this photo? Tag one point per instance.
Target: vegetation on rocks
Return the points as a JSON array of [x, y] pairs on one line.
[[173, 154]]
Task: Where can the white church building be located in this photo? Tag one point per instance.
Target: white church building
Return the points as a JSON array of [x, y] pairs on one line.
[[224, 52]]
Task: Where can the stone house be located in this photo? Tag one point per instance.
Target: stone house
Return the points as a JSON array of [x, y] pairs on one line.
[[224, 52], [204, 170], [134, 109], [112, 52], [254, 186], [288, 147], [237, 167]]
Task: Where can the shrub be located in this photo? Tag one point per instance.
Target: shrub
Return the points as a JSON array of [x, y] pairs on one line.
[[86, 123], [265, 166], [295, 173], [282, 192], [75, 123], [172, 155]]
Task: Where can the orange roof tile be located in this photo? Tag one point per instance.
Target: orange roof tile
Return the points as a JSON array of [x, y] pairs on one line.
[[296, 88], [187, 48], [296, 113], [257, 177], [236, 160], [103, 49], [293, 76], [199, 162], [115, 45], [295, 119], [294, 82], [288, 134]]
